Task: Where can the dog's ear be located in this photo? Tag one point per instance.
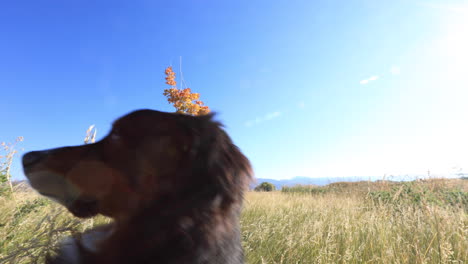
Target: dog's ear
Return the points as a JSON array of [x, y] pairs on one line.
[[218, 162]]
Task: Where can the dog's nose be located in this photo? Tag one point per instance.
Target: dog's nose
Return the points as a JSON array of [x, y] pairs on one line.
[[32, 157]]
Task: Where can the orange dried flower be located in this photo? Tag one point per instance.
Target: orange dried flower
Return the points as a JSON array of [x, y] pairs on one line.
[[182, 100]]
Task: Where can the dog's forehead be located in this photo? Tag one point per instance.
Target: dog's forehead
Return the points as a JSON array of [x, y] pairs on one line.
[[142, 118]]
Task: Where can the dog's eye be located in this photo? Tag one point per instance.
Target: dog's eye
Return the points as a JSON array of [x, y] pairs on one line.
[[114, 136]]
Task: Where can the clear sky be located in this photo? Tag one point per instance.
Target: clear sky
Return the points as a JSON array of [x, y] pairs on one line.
[[305, 88]]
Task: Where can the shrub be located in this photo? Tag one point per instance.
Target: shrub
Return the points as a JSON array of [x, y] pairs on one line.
[[4, 188], [417, 194], [7, 153], [265, 187]]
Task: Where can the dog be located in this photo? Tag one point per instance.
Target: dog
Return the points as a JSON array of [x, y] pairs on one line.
[[172, 183]]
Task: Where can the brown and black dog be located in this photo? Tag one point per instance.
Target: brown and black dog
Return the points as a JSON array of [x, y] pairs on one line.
[[173, 184]]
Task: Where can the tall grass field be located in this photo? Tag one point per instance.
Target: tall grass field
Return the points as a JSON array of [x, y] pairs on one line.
[[363, 222]]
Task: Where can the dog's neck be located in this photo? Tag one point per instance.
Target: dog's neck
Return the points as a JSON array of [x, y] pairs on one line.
[[182, 233], [177, 234]]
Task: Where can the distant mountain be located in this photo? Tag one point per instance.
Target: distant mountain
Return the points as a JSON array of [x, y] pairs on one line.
[[324, 181], [308, 181], [22, 186]]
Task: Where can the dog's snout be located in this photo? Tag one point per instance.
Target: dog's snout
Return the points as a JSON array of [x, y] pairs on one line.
[[32, 157]]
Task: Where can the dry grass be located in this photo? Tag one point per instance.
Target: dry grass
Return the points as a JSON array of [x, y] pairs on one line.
[[343, 226], [333, 227], [32, 226]]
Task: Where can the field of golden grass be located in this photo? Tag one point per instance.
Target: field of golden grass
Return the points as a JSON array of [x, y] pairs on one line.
[[419, 222]]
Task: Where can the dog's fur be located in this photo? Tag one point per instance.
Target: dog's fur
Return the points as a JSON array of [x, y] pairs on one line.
[[172, 183]]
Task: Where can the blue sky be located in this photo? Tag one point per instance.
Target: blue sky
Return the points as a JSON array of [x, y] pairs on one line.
[[305, 88]]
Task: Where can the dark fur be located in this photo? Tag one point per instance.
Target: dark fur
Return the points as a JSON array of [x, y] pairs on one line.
[[186, 205]]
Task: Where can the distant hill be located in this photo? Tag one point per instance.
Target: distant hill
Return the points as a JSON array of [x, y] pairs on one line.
[[285, 182], [303, 181], [320, 181], [22, 186]]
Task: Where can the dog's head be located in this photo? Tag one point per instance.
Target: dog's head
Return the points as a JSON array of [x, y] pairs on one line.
[[148, 155]]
